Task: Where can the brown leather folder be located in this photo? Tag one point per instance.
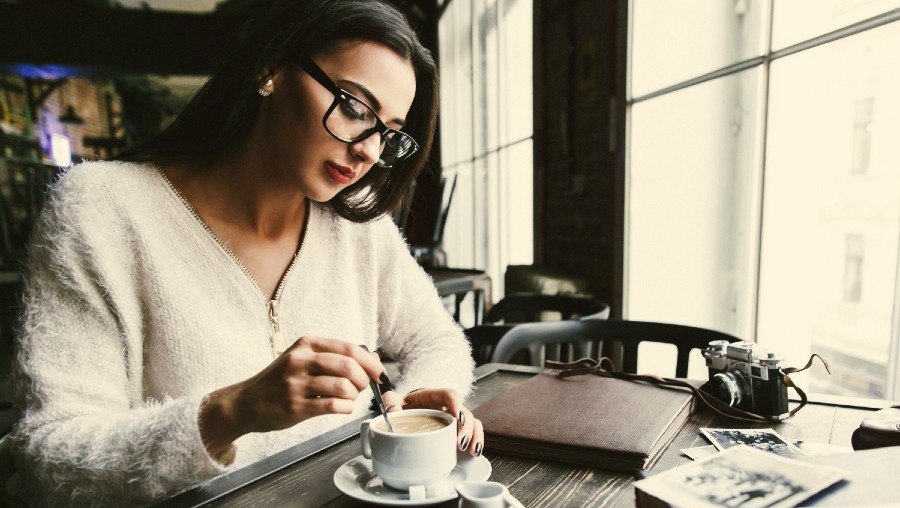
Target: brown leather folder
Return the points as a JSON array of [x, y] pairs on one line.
[[586, 420]]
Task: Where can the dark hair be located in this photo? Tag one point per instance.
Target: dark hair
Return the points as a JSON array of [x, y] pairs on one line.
[[219, 117]]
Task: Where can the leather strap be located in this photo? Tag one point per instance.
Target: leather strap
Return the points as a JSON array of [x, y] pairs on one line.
[[605, 368]]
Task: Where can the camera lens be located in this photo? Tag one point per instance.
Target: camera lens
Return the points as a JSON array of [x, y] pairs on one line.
[[727, 387]]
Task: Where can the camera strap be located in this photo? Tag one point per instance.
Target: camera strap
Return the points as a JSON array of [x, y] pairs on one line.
[[604, 368]]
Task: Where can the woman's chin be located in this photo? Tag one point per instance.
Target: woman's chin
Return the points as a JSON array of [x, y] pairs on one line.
[[325, 195]]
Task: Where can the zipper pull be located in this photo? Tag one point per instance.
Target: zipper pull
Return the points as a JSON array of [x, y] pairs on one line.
[[277, 339]]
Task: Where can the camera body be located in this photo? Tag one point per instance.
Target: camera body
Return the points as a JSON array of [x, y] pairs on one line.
[[747, 377]]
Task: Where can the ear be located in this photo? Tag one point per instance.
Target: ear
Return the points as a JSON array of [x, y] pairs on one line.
[[266, 73], [266, 83], [267, 87]]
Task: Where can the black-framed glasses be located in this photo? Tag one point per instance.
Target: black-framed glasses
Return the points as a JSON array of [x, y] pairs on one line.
[[350, 120]]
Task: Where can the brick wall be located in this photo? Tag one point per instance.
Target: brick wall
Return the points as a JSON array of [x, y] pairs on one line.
[[86, 96], [575, 162]]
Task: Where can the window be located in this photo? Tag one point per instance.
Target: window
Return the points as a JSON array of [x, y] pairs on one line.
[[486, 133], [862, 136], [853, 264], [763, 188]]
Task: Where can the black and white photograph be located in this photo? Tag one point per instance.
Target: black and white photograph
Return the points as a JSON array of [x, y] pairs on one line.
[[813, 449], [698, 452], [766, 440], [739, 477]]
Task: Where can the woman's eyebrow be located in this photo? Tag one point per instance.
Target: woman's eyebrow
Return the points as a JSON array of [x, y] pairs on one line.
[[372, 100]]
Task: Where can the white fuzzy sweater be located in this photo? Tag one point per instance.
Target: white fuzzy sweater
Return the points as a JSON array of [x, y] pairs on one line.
[[134, 312]]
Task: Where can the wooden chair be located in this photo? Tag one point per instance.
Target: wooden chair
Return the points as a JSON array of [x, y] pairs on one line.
[[586, 337]]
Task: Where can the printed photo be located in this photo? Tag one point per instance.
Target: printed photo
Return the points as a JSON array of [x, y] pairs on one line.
[[698, 452], [812, 449], [766, 440], [739, 477]]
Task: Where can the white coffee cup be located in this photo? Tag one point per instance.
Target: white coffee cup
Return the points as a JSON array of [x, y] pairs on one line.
[[403, 458], [485, 495]]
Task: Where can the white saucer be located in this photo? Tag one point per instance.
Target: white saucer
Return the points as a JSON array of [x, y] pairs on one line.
[[356, 479]]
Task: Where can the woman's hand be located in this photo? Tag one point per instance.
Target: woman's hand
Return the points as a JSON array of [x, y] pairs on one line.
[[315, 376], [469, 432]]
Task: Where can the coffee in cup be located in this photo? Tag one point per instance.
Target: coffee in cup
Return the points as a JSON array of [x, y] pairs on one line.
[[420, 451], [411, 423]]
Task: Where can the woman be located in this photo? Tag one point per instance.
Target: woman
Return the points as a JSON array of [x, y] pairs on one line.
[[200, 304]]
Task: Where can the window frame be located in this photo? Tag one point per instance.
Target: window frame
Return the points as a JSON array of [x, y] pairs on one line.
[[764, 62]]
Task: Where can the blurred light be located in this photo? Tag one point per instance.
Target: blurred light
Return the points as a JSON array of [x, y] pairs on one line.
[[61, 150]]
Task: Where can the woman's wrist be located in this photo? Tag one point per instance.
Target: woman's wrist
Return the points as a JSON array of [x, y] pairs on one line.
[[218, 425]]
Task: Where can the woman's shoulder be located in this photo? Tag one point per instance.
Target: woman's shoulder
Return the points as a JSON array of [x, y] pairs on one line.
[[90, 189], [103, 180], [105, 175]]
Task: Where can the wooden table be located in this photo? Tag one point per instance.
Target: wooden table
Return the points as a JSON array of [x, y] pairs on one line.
[[302, 475], [459, 282]]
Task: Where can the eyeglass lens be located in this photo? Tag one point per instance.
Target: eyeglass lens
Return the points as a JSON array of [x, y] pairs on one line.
[[354, 120]]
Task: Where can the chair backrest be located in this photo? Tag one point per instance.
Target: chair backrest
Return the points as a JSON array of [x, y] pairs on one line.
[[524, 308], [584, 336], [484, 338], [432, 254], [530, 307], [448, 188]]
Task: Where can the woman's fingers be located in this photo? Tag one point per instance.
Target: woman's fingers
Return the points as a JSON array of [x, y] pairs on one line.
[[466, 424], [393, 401], [442, 399], [329, 405], [321, 356], [470, 432], [476, 447], [335, 365], [315, 376], [330, 387]]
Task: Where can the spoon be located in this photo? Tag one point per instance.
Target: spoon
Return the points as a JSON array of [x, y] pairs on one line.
[[378, 402]]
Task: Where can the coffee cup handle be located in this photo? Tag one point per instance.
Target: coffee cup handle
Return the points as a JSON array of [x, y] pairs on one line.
[[364, 442]]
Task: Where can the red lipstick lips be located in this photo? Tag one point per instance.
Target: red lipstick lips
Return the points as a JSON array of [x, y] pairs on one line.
[[340, 174]]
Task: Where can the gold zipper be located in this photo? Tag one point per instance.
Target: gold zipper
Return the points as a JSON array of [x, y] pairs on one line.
[[275, 339]]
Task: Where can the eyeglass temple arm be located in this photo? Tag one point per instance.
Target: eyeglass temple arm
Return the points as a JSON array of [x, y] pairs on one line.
[[318, 74]]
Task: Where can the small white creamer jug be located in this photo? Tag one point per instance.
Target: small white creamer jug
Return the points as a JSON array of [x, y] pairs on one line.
[[485, 495]]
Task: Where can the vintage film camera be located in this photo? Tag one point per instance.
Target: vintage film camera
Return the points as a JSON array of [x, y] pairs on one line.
[[746, 377]]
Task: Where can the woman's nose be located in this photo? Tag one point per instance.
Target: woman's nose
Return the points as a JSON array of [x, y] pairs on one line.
[[369, 149]]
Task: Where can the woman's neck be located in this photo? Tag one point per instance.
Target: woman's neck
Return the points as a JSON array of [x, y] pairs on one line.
[[237, 193]]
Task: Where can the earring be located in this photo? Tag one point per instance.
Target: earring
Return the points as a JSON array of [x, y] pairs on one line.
[[262, 91]]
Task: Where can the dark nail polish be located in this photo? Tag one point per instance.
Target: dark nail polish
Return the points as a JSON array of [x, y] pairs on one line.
[[386, 385], [462, 418], [464, 444], [478, 447]]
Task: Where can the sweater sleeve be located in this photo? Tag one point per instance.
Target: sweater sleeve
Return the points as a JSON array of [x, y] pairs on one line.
[[85, 435], [415, 327]]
